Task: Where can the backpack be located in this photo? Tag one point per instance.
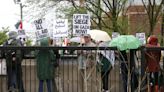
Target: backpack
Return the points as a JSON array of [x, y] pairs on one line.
[[10, 54]]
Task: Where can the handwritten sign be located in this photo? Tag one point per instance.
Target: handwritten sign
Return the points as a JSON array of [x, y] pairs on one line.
[[41, 30], [81, 24], [60, 28], [21, 32], [141, 37]]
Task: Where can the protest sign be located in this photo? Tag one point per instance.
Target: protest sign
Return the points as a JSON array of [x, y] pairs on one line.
[[41, 29], [81, 24], [141, 37], [21, 32], [60, 28]]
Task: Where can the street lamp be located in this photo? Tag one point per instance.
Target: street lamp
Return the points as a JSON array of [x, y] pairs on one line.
[[21, 11]]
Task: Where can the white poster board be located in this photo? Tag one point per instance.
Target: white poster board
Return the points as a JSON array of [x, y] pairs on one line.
[[21, 32], [41, 29], [22, 36], [60, 28], [81, 24], [141, 37]]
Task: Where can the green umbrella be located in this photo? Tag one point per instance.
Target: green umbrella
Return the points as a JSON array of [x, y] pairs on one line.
[[125, 42]]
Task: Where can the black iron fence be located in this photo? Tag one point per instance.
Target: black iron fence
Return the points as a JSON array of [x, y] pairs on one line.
[[69, 77]]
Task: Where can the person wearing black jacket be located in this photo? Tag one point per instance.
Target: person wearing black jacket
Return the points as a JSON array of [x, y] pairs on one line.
[[13, 60], [124, 68], [56, 64]]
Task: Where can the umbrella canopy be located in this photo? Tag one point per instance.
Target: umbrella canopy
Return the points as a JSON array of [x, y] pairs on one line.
[[99, 35], [125, 42], [76, 39]]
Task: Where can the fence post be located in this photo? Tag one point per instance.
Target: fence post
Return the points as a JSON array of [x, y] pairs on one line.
[[143, 63], [134, 82], [143, 68]]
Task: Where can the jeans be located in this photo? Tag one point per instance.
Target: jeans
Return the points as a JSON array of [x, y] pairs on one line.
[[124, 72], [15, 81], [104, 76], [49, 85], [153, 78]]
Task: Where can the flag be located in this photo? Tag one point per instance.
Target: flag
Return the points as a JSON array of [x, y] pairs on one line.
[[19, 25]]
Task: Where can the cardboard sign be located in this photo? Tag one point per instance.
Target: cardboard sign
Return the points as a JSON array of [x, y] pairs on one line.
[[40, 34], [21, 32], [60, 28], [141, 37], [41, 29], [81, 24]]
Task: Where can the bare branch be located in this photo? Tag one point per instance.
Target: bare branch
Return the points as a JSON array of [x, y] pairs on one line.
[[153, 12]]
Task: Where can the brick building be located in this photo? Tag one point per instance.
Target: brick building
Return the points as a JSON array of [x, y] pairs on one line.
[[138, 20]]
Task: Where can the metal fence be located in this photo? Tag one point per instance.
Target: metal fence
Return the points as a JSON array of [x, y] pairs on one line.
[[67, 74]]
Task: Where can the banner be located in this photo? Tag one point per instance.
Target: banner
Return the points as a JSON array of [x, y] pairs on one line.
[[60, 28], [81, 24], [41, 29]]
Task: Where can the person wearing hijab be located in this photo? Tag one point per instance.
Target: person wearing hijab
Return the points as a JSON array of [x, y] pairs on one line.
[[153, 63]]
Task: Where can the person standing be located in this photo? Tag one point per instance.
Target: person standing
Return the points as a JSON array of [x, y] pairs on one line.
[[56, 64], [106, 67], [13, 60], [124, 69], [152, 63], [45, 66], [85, 62], [105, 63]]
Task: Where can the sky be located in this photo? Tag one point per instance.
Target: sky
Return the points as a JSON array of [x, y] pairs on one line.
[[9, 13]]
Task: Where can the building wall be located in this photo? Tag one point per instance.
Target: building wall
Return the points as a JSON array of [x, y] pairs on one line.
[[139, 22]]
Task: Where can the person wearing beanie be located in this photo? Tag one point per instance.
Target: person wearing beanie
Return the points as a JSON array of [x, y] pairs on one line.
[[152, 63], [13, 61], [13, 35], [86, 62]]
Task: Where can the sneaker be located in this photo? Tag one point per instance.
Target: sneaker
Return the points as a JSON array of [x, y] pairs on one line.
[[12, 89], [105, 91]]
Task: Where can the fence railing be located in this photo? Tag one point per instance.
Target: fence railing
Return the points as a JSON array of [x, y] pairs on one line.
[[68, 75]]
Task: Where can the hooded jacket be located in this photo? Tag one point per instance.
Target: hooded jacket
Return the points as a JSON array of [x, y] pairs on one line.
[[153, 57], [9, 54], [45, 62]]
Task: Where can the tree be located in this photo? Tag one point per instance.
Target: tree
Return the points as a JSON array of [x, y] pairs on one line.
[[38, 8], [29, 42], [3, 35], [68, 14], [102, 10], [48, 9], [153, 10]]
